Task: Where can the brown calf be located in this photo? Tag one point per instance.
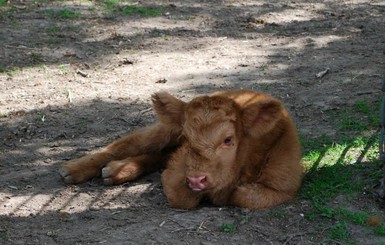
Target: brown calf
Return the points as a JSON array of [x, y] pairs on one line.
[[234, 148]]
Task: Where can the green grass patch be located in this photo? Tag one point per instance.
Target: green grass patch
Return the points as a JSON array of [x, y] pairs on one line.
[[140, 10], [340, 232], [9, 9], [332, 169], [6, 10], [111, 4], [65, 13], [227, 228], [11, 71], [5, 236], [325, 151], [53, 29], [278, 213], [53, 40], [338, 171], [64, 68], [56, 32], [356, 217], [350, 122], [361, 116], [380, 230], [266, 86], [3, 2], [36, 57], [40, 118], [315, 144], [326, 183], [3, 69], [134, 9]]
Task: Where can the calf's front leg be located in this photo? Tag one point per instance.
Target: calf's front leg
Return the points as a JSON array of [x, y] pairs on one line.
[[177, 193], [152, 139], [258, 196], [278, 183], [84, 168], [131, 168]]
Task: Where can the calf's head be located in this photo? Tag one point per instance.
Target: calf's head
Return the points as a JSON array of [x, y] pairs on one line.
[[216, 130], [212, 131]]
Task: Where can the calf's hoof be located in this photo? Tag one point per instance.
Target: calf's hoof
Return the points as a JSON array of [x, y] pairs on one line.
[[106, 175], [64, 173], [73, 175]]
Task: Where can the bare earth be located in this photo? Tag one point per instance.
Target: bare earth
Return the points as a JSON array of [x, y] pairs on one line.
[[74, 85]]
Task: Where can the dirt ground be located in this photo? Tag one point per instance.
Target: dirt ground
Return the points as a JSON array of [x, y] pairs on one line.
[[69, 86]]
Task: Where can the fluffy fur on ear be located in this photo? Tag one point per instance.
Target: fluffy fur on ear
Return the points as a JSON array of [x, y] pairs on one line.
[[168, 108], [261, 117]]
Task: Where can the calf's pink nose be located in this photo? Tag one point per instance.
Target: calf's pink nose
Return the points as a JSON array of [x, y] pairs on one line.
[[197, 183]]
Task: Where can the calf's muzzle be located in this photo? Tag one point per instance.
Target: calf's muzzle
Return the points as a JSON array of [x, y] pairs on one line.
[[197, 183]]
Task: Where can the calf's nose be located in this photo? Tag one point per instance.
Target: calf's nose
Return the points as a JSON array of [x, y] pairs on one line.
[[197, 183]]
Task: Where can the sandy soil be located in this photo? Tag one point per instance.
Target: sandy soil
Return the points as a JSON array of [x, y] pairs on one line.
[[73, 85]]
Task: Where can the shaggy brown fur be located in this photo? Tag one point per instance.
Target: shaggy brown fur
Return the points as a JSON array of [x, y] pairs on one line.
[[234, 148]]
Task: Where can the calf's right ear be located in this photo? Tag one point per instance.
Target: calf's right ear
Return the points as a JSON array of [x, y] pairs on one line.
[[168, 108], [262, 116]]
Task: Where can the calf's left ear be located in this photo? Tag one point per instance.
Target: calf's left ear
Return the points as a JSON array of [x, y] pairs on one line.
[[262, 116], [168, 108]]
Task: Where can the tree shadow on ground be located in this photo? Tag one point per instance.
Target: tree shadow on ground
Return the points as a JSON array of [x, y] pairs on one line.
[[56, 41], [309, 45], [36, 142]]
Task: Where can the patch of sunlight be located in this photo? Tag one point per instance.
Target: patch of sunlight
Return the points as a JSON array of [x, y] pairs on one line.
[[12, 204], [314, 41], [71, 200], [34, 204], [322, 41], [288, 16], [381, 3], [279, 67], [344, 154]]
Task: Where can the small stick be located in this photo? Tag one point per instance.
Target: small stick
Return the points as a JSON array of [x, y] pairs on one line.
[[322, 73], [82, 73], [69, 96]]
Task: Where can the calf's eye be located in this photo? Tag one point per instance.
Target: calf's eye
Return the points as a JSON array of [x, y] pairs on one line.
[[228, 140]]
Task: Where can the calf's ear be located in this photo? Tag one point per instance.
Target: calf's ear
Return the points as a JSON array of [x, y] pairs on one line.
[[262, 116], [168, 108]]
